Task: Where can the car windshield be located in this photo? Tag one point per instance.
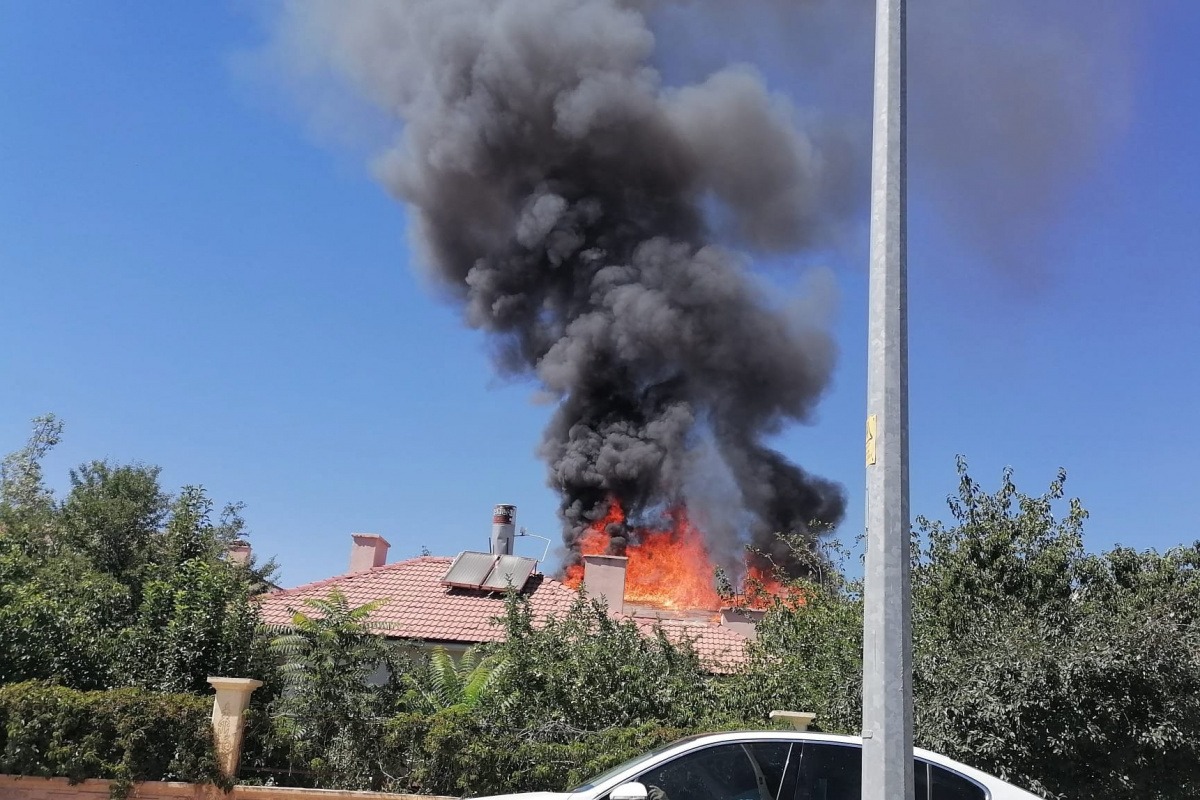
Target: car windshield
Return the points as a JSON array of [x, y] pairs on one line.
[[633, 762]]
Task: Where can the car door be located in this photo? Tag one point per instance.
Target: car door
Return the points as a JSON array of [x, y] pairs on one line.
[[756, 770]]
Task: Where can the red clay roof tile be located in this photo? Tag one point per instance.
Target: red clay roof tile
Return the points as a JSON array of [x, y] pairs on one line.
[[417, 606]]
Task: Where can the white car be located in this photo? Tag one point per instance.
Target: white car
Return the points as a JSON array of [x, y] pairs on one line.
[[772, 765]]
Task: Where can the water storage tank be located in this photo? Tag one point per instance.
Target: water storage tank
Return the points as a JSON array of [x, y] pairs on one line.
[[504, 529]]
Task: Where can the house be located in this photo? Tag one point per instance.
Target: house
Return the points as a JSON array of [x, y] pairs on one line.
[[432, 601]]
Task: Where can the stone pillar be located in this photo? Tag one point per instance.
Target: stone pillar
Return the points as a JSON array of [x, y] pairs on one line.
[[228, 719]]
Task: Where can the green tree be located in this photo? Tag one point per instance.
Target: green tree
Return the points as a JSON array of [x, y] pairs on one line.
[[1077, 675], [589, 671], [331, 710], [1073, 674], [119, 583], [21, 485], [56, 611], [112, 516], [57, 620], [197, 622], [807, 654]]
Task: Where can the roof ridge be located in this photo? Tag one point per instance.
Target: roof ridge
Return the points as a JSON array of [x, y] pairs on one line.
[[557, 583], [346, 575]]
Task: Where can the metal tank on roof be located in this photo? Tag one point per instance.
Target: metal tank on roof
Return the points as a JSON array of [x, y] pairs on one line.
[[504, 529]]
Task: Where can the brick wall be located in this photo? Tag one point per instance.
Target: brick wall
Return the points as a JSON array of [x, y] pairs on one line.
[[16, 787]]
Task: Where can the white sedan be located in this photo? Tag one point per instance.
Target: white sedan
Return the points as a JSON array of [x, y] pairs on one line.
[[772, 765]]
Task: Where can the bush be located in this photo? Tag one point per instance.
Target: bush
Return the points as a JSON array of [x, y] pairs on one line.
[[454, 753], [124, 735], [588, 671]]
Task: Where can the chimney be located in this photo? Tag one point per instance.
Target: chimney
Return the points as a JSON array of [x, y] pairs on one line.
[[504, 523], [369, 550], [742, 620], [604, 576], [238, 553]]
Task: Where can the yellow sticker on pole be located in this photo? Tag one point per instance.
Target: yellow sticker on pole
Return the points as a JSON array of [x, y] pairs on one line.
[[871, 426]]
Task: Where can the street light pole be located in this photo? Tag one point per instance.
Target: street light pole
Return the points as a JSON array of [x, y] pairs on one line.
[[887, 617]]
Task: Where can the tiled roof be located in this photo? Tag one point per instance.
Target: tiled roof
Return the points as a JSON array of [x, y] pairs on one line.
[[417, 606], [718, 646]]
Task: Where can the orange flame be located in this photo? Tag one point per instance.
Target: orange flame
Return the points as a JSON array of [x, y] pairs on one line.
[[763, 587], [669, 567]]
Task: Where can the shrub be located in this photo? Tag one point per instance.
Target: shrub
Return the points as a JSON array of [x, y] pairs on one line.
[[124, 735], [588, 671], [454, 753]]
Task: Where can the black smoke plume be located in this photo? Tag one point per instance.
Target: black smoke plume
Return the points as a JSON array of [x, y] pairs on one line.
[[563, 194], [568, 199]]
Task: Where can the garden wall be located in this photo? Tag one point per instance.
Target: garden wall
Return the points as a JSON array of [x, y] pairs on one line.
[[21, 787]]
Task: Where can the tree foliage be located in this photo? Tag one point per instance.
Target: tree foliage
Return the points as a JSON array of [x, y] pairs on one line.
[[119, 583], [807, 654], [588, 671], [1072, 674], [1075, 674], [21, 485], [442, 684], [331, 710]]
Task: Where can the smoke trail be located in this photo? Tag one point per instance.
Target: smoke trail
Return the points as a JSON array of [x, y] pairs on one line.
[[559, 190], [1012, 101]]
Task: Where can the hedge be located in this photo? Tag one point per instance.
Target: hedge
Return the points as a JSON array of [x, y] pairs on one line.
[[451, 753], [124, 735]]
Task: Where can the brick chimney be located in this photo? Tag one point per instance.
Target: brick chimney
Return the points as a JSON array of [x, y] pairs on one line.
[[742, 620], [369, 550], [238, 553], [604, 576]]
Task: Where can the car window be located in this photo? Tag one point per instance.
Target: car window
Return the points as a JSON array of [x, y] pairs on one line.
[[920, 779], [743, 771], [595, 781], [830, 772], [834, 772], [947, 785]]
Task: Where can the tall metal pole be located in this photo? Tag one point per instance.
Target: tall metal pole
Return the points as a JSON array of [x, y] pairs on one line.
[[887, 634]]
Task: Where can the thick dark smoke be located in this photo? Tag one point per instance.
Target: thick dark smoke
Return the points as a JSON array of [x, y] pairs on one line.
[[561, 192], [568, 200]]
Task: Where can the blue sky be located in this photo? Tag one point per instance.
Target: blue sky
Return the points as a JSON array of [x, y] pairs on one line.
[[188, 277]]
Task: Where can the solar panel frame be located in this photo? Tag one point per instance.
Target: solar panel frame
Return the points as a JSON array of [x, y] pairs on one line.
[[469, 570], [510, 570]]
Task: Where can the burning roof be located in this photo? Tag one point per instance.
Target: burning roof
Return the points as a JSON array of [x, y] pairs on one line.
[[669, 566], [418, 606]]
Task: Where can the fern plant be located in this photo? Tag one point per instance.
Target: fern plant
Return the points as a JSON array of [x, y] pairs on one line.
[[445, 684]]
